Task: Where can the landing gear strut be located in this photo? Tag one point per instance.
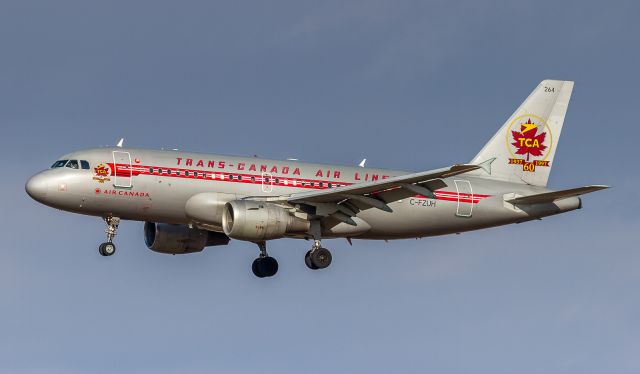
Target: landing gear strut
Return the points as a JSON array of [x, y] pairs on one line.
[[264, 265], [317, 257], [108, 248]]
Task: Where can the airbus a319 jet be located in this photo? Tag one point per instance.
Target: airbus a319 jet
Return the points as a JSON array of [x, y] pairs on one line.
[[190, 201]]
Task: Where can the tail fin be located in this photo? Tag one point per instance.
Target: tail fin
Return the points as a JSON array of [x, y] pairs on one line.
[[522, 150]]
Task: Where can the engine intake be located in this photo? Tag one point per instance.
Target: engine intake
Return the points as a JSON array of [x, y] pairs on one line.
[[178, 239], [257, 221]]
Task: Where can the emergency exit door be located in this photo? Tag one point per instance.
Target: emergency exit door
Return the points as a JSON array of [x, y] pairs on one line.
[[267, 182], [122, 172], [465, 198]]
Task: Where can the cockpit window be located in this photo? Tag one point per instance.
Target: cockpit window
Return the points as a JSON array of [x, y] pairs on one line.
[[84, 164], [59, 164], [73, 164]]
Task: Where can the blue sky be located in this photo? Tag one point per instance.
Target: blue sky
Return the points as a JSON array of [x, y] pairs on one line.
[[407, 84]]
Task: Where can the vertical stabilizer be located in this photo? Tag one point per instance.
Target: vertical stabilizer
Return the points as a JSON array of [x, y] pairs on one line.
[[523, 149]]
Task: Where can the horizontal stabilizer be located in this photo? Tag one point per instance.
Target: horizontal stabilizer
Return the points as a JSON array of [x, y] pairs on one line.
[[549, 197]]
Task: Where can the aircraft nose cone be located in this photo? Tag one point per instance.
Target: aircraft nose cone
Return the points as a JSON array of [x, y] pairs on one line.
[[36, 187]]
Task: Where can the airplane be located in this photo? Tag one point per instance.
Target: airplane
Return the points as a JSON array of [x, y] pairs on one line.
[[190, 201]]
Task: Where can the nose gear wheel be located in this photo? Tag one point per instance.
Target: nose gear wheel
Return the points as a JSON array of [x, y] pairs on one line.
[[107, 249]]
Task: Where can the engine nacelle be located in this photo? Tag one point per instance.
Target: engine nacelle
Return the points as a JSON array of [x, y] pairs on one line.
[[206, 209], [178, 239], [257, 221]]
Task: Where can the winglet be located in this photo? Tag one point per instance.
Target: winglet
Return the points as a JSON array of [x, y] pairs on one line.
[[361, 164], [120, 143]]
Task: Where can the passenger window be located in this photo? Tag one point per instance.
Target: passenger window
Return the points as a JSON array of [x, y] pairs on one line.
[[72, 164], [59, 164], [84, 164]]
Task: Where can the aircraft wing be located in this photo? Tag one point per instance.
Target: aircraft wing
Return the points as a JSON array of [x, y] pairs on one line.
[[343, 203], [411, 182], [549, 197]]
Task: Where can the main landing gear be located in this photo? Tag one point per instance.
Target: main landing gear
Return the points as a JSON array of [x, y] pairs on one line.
[[264, 265], [317, 257], [108, 248], [267, 266]]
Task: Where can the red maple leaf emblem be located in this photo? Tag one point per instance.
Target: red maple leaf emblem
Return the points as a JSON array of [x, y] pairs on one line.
[[527, 141], [101, 170]]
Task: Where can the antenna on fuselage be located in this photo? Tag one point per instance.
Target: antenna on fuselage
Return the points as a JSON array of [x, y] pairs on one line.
[[361, 164], [120, 143]]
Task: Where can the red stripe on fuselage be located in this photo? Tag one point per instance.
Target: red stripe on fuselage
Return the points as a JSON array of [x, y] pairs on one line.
[[124, 170]]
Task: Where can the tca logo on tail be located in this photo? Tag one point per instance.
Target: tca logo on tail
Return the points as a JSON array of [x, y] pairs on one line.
[[532, 142]]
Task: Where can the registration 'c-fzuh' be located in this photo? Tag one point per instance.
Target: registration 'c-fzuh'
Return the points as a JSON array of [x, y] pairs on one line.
[[190, 201]]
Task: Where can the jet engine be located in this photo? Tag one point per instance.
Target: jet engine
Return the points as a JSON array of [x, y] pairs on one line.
[[179, 239], [257, 221], [206, 209]]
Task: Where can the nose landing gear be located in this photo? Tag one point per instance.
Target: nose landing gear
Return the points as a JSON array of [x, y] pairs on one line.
[[264, 265], [108, 248]]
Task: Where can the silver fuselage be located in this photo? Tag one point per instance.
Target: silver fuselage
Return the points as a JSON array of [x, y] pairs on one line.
[[151, 190]]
